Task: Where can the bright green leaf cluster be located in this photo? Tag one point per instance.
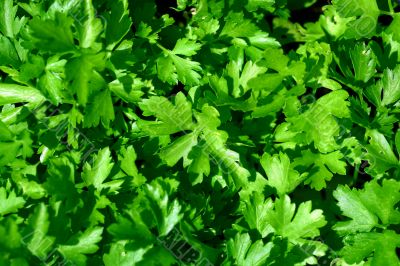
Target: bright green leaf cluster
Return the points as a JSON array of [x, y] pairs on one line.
[[199, 132]]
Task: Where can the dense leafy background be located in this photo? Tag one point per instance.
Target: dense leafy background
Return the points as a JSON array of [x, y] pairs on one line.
[[199, 132]]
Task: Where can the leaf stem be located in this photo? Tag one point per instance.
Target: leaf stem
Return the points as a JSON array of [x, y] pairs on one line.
[[162, 47], [387, 13], [390, 4], [355, 174]]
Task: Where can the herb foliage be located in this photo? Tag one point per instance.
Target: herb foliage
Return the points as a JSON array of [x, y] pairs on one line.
[[199, 132]]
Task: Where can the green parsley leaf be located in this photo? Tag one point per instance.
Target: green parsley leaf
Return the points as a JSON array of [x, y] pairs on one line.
[[166, 213], [280, 175], [381, 245], [364, 210], [13, 93], [320, 167], [86, 244], [245, 252], [52, 35], [9, 203], [305, 223], [95, 175], [364, 15], [380, 154]]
